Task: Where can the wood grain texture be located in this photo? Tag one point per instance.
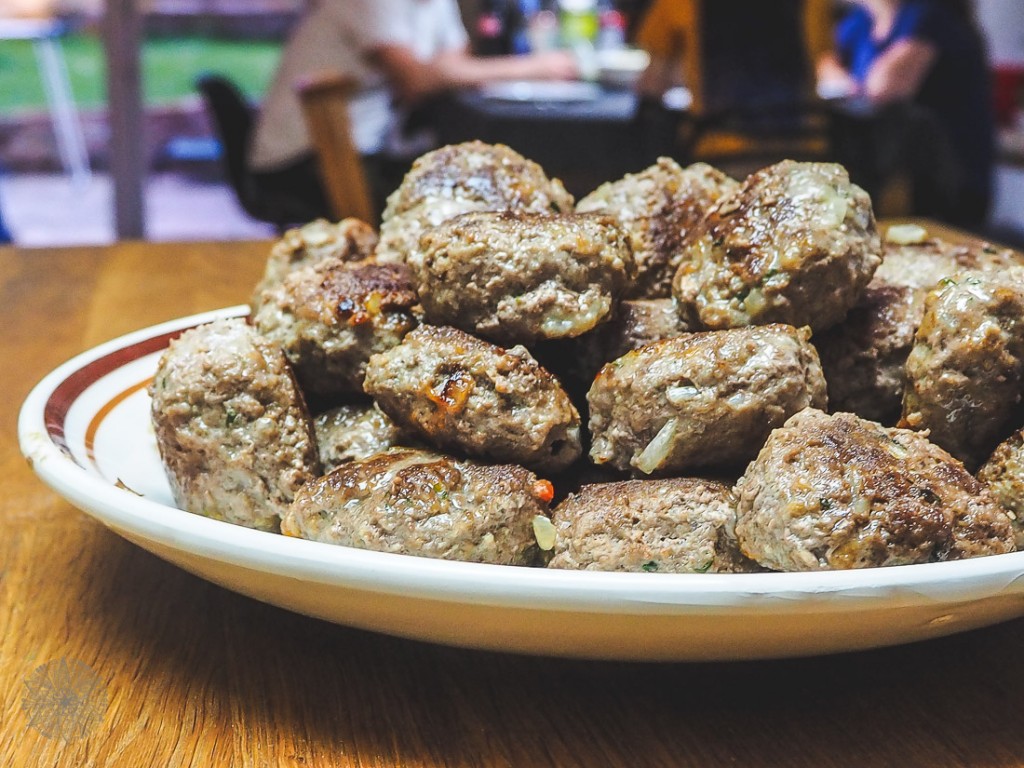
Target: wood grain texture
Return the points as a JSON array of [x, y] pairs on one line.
[[198, 676], [325, 105]]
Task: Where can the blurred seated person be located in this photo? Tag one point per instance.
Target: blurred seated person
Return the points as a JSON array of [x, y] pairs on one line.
[[671, 31], [664, 32], [923, 61], [5, 233], [401, 52]]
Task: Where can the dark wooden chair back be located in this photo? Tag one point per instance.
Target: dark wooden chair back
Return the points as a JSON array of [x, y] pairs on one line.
[[233, 120], [750, 65], [325, 107]]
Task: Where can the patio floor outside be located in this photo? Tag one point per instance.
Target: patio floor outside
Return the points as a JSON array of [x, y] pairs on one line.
[[47, 209]]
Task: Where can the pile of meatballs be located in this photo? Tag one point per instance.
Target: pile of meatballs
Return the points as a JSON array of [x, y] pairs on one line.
[[765, 383]]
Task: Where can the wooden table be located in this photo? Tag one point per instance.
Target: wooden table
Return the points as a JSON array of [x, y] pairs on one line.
[[195, 675]]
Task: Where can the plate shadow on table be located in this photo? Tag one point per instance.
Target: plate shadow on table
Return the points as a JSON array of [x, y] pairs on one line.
[[298, 690]]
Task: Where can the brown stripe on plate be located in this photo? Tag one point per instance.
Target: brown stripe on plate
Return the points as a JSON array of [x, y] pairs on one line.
[[59, 403], [102, 413]]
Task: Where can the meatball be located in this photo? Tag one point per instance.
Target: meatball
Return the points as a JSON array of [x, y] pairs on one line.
[[356, 431], [681, 525], [1004, 475], [656, 208], [231, 425], [923, 265], [841, 492], [516, 278], [634, 324], [348, 240], [704, 399], [864, 357], [420, 503], [459, 178], [966, 370], [330, 317], [463, 394], [795, 244]]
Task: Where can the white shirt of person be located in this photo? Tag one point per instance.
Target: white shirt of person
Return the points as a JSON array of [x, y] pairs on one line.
[[336, 36]]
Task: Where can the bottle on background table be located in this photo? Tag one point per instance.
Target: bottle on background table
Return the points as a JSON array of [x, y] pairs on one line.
[[579, 22], [543, 30], [611, 35], [490, 28]]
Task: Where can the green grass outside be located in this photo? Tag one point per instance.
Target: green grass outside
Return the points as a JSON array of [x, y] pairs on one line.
[[169, 69]]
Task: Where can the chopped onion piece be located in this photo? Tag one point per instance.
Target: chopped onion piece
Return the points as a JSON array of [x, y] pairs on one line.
[[862, 506], [544, 532], [897, 450], [906, 234], [653, 456], [755, 302], [681, 394]]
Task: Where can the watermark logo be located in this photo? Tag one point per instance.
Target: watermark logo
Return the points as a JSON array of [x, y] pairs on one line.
[[64, 699]]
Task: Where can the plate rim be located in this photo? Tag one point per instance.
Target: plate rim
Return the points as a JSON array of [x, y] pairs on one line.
[[961, 581], [573, 91]]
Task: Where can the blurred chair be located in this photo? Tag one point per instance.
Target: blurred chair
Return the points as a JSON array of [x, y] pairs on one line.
[[44, 32], [750, 67], [325, 107], [899, 153], [656, 126], [232, 119]]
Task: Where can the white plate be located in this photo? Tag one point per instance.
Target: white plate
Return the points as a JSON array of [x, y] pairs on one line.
[[621, 67], [85, 430], [541, 90]]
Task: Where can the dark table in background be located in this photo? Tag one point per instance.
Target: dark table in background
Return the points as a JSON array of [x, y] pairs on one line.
[[584, 143], [901, 154]]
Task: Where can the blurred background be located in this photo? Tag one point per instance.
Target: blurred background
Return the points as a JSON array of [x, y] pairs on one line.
[[105, 134]]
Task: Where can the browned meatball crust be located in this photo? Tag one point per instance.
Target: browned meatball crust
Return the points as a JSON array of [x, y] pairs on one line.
[[331, 316], [459, 178], [795, 244], [1004, 475], [923, 265], [703, 399], [420, 503], [656, 208], [841, 492], [348, 240], [356, 431], [966, 370], [465, 395], [516, 278], [634, 324], [231, 426], [679, 525], [864, 358]]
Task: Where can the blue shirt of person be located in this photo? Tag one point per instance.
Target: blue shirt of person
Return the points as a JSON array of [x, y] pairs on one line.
[[957, 88]]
